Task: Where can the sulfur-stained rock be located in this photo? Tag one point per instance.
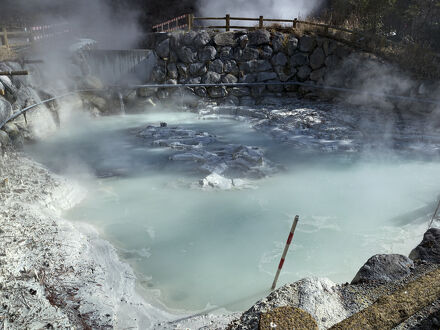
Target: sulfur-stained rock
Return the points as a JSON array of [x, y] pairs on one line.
[[287, 318]]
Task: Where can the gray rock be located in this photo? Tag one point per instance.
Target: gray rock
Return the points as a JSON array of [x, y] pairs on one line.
[[259, 37], [194, 80], [292, 45], [226, 53], [188, 38], [12, 130], [277, 42], [212, 78], [275, 88], [197, 69], [329, 47], [332, 61], [317, 75], [247, 101], [249, 54], [303, 72], [429, 249], [229, 79], [248, 78], [4, 138], [342, 52], [5, 109], [216, 66], [183, 70], [317, 58], [173, 57], [307, 44], [225, 39], [201, 91], [299, 59], [240, 91], [207, 53], [171, 82], [262, 65], [243, 41], [264, 76], [186, 55], [172, 71], [201, 39], [217, 92], [159, 73], [266, 52], [230, 66], [285, 73], [279, 59], [384, 268], [258, 91], [163, 49], [231, 100], [248, 66]]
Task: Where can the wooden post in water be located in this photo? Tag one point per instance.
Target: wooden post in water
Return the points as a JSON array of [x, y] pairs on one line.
[[261, 22], [228, 22], [286, 248]]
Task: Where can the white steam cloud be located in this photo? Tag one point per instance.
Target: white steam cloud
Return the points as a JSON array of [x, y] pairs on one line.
[[283, 9]]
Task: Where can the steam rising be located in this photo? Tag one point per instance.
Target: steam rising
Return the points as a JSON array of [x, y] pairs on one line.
[[283, 9]]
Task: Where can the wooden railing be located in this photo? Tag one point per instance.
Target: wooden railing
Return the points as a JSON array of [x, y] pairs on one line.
[[24, 36], [188, 22]]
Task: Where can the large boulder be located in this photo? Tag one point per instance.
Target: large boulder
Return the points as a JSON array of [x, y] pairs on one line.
[[317, 58], [259, 37], [307, 44], [5, 109], [207, 53], [384, 268], [429, 249], [225, 39], [163, 49]]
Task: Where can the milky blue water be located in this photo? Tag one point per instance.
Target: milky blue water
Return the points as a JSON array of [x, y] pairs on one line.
[[221, 248]]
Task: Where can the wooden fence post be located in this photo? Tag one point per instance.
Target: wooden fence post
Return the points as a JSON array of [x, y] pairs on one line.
[[228, 22], [5, 38], [190, 21], [261, 24], [295, 22]]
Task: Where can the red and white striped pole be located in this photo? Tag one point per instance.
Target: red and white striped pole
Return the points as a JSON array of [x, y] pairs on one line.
[[286, 248]]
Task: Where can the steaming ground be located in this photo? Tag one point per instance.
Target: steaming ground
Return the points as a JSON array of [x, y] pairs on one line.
[[195, 245]]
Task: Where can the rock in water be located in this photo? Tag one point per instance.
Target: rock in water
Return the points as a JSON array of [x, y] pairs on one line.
[[5, 109], [429, 249], [384, 268]]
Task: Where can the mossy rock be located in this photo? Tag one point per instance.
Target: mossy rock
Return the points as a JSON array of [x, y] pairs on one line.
[[286, 318]]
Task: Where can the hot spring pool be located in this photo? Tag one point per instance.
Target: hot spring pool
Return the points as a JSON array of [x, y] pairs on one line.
[[202, 248]]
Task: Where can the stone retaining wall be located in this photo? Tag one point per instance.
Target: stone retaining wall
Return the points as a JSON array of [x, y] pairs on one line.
[[263, 56]]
